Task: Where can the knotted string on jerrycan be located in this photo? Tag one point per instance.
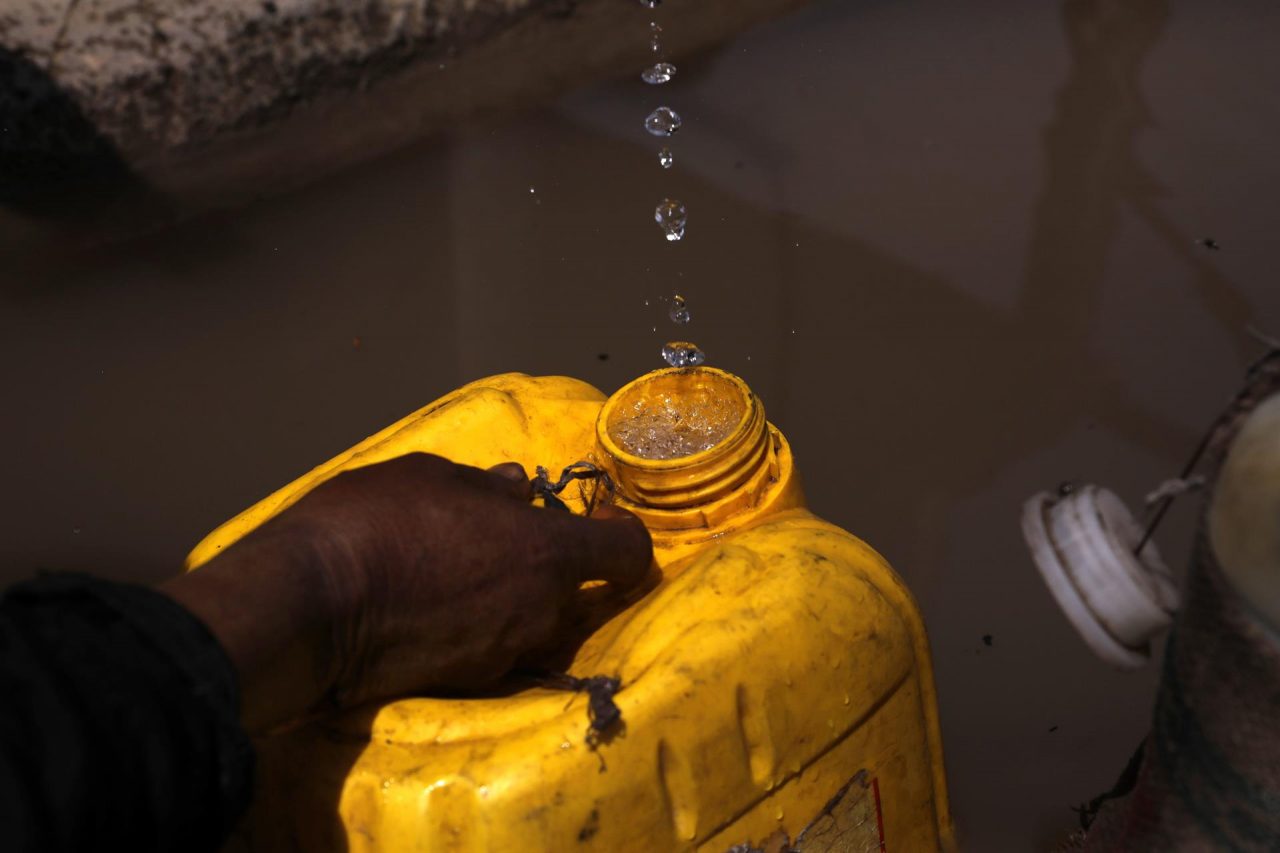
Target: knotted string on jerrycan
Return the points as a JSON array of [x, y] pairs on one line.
[[775, 685]]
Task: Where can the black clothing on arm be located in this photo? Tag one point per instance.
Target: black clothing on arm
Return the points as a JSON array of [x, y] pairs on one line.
[[119, 722]]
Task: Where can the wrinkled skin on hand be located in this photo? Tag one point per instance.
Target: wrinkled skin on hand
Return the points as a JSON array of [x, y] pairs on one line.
[[408, 575]]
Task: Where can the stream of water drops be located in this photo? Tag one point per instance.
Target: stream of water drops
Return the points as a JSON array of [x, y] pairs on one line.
[[670, 214]]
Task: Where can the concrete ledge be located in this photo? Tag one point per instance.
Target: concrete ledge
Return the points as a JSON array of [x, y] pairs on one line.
[[211, 103]]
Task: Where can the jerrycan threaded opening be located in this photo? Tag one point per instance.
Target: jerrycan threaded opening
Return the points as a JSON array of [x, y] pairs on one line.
[[685, 437]]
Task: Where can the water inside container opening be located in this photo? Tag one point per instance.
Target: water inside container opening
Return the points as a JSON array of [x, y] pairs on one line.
[[676, 422]]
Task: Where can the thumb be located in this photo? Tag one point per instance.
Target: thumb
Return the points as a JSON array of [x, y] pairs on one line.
[[612, 545]]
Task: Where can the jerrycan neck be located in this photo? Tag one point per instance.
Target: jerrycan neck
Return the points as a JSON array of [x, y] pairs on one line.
[[690, 448]]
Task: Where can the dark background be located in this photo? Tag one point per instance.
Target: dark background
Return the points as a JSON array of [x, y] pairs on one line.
[[954, 247]]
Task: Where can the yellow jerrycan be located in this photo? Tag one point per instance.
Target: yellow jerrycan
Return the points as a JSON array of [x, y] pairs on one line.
[[776, 691]]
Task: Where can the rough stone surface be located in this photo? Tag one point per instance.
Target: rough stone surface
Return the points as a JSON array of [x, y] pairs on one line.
[[179, 73]]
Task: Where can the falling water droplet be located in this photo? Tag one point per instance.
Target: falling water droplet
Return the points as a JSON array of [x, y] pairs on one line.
[[666, 158], [650, 4], [671, 216], [659, 73], [679, 312], [663, 121], [683, 354], [655, 44]]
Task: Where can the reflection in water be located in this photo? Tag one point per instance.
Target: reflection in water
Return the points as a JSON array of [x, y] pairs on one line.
[[1008, 386], [1089, 160], [1091, 170]]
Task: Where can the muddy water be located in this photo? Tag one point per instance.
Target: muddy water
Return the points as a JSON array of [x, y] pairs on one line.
[[981, 222]]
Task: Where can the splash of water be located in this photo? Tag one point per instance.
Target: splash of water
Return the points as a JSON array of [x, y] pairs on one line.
[[683, 354], [666, 428]]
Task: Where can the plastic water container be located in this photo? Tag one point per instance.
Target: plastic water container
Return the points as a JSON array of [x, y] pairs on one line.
[[776, 684]]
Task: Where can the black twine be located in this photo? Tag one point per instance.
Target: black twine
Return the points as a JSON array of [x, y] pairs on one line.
[[545, 488], [602, 712]]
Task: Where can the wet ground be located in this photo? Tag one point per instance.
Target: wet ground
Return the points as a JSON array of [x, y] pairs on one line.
[[958, 249]]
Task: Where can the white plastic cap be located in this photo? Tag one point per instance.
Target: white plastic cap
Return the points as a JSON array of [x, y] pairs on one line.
[[1083, 545]]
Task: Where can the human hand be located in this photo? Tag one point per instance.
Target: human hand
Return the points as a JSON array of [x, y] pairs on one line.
[[411, 574]]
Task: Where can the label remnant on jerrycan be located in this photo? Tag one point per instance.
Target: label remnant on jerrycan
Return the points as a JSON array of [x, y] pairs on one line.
[[850, 822], [777, 659]]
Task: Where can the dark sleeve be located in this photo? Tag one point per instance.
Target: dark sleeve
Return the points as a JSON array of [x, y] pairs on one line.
[[119, 722]]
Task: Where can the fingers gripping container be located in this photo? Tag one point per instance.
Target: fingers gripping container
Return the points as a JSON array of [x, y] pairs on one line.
[[776, 682]]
